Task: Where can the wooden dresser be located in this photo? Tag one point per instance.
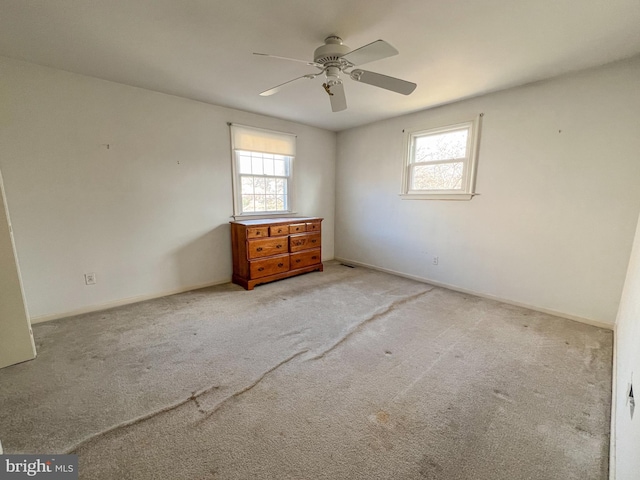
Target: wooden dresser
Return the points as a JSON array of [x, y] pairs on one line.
[[276, 248]]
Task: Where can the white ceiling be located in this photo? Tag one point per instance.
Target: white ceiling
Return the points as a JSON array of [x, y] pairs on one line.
[[202, 49]]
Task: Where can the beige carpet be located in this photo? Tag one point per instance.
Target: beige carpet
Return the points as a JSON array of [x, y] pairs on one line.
[[345, 374]]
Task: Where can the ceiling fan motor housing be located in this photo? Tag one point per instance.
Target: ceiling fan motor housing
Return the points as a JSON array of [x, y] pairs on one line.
[[331, 51]]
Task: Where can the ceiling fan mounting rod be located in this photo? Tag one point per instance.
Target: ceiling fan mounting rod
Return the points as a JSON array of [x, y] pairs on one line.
[[333, 39]]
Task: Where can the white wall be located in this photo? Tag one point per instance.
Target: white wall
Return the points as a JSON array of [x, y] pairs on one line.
[[558, 177], [626, 429], [149, 215]]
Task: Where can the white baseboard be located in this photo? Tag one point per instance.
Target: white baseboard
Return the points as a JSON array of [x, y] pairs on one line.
[[588, 321], [121, 302]]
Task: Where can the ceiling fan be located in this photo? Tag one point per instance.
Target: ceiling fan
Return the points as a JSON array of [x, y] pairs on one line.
[[333, 59]]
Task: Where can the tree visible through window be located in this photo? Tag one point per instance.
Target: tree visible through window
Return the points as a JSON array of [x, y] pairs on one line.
[[441, 161], [264, 181]]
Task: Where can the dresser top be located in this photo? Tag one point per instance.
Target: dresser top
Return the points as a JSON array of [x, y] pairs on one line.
[[276, 221]]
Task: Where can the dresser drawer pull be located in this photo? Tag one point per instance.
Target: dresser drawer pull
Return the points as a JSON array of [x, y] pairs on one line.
[[278, 246], [313, 241], [261, 269], [281, 264], [314, 257], [259, 249], [279, 230], [298, 260]]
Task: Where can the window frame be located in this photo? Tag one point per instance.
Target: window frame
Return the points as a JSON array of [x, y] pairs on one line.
[[238, 207], [237, 176], [470, 162]]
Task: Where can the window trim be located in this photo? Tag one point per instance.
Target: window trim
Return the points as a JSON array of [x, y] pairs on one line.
[[467, 192], [237, 189], [235, 174]]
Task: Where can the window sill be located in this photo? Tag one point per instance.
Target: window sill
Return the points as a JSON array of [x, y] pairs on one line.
[[252, 216], [437, 196]]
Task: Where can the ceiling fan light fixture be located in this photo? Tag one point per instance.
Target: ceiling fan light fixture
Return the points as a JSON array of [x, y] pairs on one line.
[[332, 73]]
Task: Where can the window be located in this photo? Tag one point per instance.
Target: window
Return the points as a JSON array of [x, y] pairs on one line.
[[441, 162], [262, 171]]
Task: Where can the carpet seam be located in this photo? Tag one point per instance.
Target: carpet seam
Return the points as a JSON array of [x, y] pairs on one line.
[[193, 397], [373, 317], [221, 403]]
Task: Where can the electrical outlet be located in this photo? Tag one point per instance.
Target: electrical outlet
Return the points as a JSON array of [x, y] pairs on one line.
[[90, 278], [435, 260]]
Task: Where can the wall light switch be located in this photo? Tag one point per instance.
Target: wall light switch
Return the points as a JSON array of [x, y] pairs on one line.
[[90, 278]]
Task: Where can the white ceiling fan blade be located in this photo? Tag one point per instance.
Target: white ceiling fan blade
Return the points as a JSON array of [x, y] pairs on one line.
[[374, 51], [337, 97], [312, 64], [277, 88], [383, 81]]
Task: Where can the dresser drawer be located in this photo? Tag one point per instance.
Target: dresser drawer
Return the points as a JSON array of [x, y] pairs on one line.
[[266, 247], [297, 227], [304, 241], [258, 232], [305, 258], [269, 266], [279, 230], [313, 226]]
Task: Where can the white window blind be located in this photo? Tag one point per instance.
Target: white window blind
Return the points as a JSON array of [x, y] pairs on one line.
[[263, 141]]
